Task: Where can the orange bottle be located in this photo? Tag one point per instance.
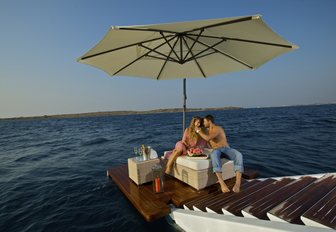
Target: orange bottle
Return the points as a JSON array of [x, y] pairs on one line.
[[157, 184]]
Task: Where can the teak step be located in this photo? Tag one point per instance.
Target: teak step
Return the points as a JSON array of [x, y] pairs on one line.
[[235, 207], [197, 205], [291, 209], [323, 213], [231, 197], [260, 208], [200, 206], [189, 205]]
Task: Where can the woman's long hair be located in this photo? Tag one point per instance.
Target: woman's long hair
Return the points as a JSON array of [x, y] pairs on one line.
[[192, 133]]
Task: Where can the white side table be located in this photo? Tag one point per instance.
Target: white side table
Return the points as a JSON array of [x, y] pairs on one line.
[[140, 171]]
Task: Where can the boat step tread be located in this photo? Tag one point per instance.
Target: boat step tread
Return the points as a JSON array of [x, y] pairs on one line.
[[235, 207], [189, 205], [201, 205], [199, 200], [217, 206], [291, 209], [260, 208], [323, 212], [203, 201]]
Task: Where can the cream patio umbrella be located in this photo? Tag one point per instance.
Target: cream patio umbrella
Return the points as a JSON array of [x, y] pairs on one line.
[[195, 49]]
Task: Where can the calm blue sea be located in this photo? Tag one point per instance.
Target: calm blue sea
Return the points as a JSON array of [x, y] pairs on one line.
[[53, 171]]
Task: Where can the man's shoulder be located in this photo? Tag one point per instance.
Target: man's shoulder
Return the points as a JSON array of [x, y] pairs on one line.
[[218, 127], [220, 130]]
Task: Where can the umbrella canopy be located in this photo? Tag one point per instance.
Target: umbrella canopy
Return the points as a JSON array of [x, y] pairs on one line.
[[196, 49]]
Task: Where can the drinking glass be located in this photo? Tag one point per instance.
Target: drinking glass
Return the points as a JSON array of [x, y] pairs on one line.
[[137, 153]]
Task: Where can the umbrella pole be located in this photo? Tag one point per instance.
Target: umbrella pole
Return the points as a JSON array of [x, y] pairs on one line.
[[184, 105]]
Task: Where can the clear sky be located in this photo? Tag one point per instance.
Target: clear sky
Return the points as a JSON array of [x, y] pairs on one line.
[[40, 41]]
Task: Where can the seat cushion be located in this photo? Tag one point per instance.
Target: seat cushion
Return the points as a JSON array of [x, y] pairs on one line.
[[195, 164], [200, 179]]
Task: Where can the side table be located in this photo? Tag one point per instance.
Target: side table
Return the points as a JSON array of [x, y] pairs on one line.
[[140, 171]]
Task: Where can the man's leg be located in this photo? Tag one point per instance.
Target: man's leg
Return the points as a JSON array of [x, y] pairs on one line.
[[236, 187], [217, 169], [237, 159]]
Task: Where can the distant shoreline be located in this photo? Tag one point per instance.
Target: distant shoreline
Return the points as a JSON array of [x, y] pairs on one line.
[[118, 113], [135, 112]]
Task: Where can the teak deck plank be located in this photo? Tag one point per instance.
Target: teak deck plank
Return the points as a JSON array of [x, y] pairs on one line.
[[292, 209], [189, 205], [260, 208], [220, 198], [235, 207], [324, 211], [213, 200], [201, 203], [230, 197], [154, 206], [182, 193], [144, 201]]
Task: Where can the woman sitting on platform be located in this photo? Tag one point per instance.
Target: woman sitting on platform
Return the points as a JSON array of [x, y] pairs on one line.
[[190, 140]]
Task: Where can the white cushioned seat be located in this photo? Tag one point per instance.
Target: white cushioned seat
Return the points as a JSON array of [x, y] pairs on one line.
[[198, 173], [195, 164]]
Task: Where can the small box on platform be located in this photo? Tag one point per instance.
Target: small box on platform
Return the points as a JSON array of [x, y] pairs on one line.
[[140, 171]]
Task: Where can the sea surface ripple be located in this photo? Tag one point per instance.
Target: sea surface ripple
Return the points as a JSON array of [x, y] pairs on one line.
[[53, 171]]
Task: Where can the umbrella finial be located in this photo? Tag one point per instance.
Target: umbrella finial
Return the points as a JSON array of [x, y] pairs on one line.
[[257, 16]]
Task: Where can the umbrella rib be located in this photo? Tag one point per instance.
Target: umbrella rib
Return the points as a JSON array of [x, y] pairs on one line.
[[192, 46], [245, 40], [198, 57], [126, 46], [164, 64], [259, 42], [139, 58], [161, 58], [181, 49], [196, 29], [208, 48], [169, 43], [239, 20], [194, 58], [152, 50], [146, 29], [225, 54]]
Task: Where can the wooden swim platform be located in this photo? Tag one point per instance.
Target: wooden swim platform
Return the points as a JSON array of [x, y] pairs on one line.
[[305, 200], [153, 206]]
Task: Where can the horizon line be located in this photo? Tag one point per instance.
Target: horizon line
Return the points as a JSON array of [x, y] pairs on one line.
[[153, 111]]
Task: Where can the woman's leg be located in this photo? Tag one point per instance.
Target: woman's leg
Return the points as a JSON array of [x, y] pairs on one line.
[[176, 153]]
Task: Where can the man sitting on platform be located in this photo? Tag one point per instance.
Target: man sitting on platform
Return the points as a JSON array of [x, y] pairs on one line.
[[217, 140]]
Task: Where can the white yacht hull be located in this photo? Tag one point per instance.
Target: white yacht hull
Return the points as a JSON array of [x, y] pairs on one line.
[[197, 220]]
